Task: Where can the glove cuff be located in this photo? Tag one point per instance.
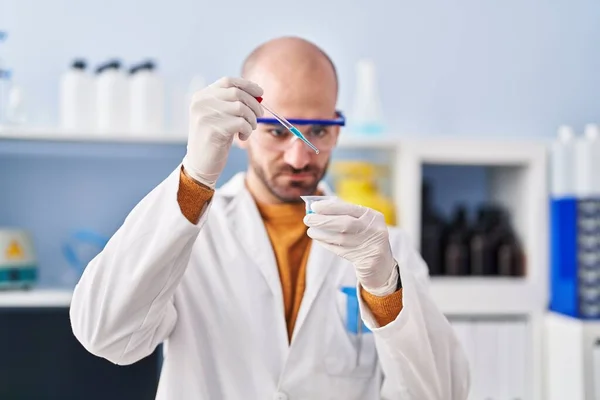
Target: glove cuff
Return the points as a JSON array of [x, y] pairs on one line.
[[391, 286], [189, 171]]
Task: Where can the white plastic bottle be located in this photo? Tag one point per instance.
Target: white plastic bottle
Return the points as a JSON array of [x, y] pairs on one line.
[[16, 112], [76, 101], [147, 99], [5, 86], [563, 163], [367, 117], [5, 75], [587, 163], [112, 99]]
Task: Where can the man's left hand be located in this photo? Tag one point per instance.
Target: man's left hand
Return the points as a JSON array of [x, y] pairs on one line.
[[360, 235]]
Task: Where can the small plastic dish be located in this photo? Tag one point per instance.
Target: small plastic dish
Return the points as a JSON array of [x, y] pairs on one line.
[[309, 200]]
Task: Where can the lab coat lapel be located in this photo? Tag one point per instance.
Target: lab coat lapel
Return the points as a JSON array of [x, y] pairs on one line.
[[319, 266], [247, 225]]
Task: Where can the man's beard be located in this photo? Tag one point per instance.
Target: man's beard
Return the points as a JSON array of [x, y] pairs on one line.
[[286, 169]]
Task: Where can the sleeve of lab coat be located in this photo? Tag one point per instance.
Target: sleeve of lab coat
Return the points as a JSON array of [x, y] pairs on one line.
[[420, 355], [122, 307]]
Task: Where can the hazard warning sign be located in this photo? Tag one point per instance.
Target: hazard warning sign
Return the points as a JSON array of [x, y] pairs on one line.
[[14, 251]]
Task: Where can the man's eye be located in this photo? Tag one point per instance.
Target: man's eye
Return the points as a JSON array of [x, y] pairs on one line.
[[278, 132], [319, 131]]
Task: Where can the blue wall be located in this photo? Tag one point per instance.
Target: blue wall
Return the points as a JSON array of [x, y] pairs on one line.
[[515, 67]]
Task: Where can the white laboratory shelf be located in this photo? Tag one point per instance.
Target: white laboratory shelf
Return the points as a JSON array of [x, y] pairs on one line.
[[455, 296], [387, 142], [347, 140], [485, 296], [58, 135], [476, 151], [35, 298], [517, 181]]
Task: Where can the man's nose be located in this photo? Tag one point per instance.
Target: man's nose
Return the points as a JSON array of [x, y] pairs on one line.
[[297, 155]]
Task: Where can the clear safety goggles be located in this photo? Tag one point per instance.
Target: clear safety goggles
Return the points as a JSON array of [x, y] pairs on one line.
[[271, 134]]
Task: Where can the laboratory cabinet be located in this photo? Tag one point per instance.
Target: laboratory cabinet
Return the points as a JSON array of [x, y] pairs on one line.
[[41, 359], [572, 357], [496, 348]]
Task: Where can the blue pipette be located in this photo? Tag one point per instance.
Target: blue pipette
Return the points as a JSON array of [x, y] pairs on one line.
[[289, 126]]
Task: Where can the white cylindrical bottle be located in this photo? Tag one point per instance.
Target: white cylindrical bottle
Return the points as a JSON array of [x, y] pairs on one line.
[[147, 99], [5, 85], [563, 163], [5, 76], [112, 99], [367, 117], [16, 113], [587, 163], [76, 101]]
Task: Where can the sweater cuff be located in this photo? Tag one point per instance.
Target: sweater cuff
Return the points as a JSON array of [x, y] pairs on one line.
[[192, 197], [385, 309]]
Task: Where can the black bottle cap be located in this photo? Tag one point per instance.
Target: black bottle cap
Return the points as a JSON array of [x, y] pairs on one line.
[[79, 63], [112, 64], [148, 65]]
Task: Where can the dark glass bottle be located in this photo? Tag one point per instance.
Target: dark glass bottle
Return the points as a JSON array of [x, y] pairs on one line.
[[432, 228], [484, 242], [495, 249], [509, 253], [456, 244]]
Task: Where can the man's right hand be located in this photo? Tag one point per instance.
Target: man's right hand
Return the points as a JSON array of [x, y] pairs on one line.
[[217, 113]]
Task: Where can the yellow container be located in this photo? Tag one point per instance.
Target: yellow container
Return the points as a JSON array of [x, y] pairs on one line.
[[355, 182]]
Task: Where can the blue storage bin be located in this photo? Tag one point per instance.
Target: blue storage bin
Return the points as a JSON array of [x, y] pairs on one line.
[[575, 257]]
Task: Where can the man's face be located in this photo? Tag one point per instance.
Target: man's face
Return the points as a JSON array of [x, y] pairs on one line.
[[289, 168]]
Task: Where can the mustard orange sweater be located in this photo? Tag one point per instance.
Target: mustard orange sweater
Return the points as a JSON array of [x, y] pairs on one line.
[[287, 233]]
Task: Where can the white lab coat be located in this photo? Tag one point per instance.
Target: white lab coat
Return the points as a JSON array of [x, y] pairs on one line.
[[211, 293]]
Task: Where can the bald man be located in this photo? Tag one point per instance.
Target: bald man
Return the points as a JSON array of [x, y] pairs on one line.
[[251, 297]]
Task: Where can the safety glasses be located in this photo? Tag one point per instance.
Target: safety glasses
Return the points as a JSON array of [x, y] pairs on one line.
[[339, 121], [322, 133]]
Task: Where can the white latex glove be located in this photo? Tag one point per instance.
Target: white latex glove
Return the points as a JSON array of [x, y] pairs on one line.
[[217, 113], [360, 235]]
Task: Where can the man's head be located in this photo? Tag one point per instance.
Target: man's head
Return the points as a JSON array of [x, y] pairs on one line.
[[299, 82]]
